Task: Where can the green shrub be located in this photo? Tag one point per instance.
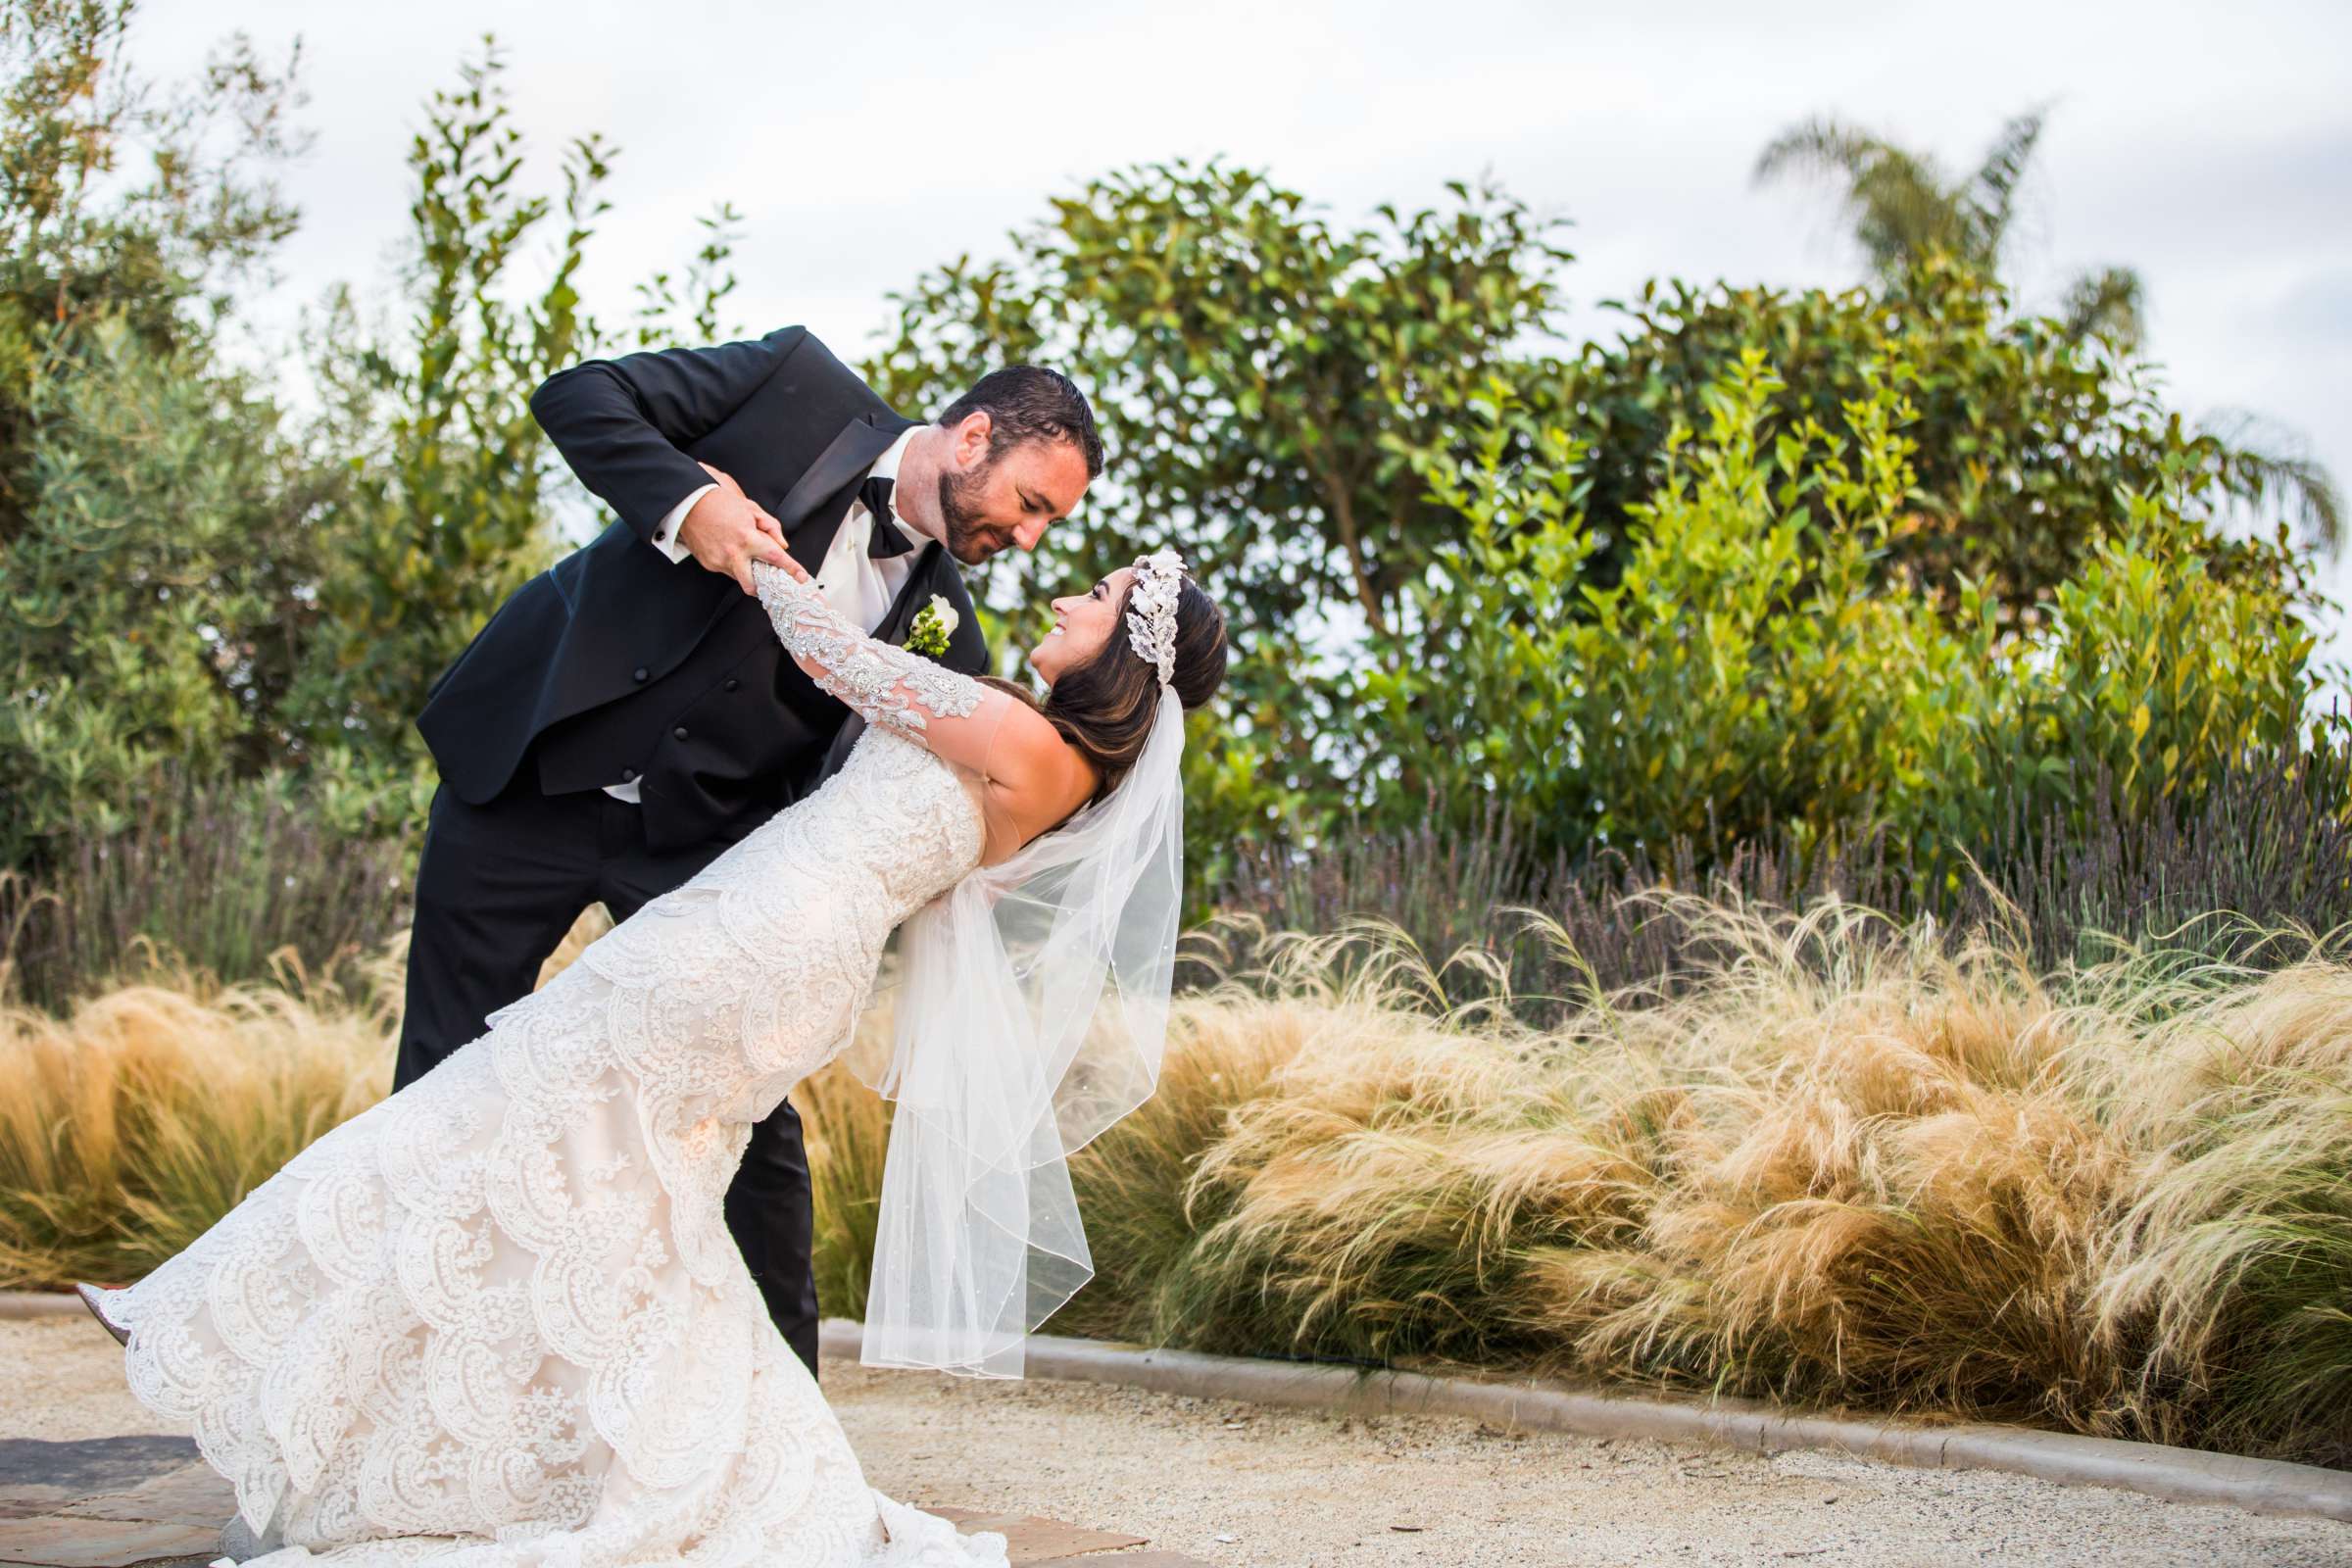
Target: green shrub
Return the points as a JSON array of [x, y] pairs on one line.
[[151, 536], [2023, 430], [193, 584], [1744, 675]]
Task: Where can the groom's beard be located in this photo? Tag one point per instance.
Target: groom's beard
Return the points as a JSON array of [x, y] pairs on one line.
[[969, 539]]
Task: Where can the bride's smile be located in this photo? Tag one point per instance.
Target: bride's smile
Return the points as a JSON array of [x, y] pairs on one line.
[[1083, 624]]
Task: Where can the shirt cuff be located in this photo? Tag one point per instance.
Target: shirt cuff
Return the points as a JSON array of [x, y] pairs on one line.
[[665, 532]]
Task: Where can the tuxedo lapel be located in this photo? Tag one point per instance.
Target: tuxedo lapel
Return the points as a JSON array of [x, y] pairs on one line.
[[863, 440]]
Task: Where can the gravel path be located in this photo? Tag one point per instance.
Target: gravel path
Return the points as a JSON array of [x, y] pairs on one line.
[[1244, 1485]]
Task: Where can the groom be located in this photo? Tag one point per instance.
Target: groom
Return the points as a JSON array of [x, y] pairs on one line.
[[629, 714]]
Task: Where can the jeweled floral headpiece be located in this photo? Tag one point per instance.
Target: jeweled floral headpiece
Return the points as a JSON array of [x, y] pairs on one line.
[[1152, 611]]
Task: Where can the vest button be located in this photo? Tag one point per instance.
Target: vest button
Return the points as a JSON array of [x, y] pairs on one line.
[[639, 673], [678, 734], [628, 775], [732, 683]]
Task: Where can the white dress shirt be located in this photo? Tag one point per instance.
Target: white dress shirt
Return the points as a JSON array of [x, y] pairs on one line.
[[861, 587]]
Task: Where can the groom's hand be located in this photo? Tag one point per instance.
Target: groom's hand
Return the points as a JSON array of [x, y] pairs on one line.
[[725, 532]]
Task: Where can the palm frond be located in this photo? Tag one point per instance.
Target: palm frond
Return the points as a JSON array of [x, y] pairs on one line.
[[1820, 146], [2106, 304], [1897, 200], [2269, 469], [1991, 195]]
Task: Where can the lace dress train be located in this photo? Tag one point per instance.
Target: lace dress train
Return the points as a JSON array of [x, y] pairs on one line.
[[498, 1320]]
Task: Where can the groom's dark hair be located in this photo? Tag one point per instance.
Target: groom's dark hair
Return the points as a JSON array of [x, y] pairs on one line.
[[1027, 403]]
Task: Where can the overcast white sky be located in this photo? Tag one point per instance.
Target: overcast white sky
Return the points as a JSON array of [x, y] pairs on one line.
[[2210, 146]]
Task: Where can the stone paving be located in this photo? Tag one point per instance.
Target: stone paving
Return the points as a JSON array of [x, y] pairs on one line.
[[113, 1502]]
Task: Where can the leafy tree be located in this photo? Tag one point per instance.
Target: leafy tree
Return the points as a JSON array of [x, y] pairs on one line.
[[445, 511], [1908, 211], [1257, 369], [122, 198], [140, 619], [190, 581], [1250, 363], [2024, 434], [1740, 673], [447, 505]]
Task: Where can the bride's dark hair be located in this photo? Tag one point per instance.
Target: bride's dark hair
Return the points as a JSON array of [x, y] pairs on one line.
[[1105, 705]]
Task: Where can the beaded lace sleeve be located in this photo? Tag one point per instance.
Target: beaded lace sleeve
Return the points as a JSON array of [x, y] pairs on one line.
[[886, 686]]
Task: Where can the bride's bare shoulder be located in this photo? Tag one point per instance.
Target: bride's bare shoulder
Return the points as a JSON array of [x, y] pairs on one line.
[[1031, 756]]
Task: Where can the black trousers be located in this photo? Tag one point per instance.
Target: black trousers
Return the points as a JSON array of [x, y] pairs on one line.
[[497, 887]]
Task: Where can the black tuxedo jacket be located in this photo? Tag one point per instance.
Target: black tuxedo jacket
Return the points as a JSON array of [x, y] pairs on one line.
[[618, 664]]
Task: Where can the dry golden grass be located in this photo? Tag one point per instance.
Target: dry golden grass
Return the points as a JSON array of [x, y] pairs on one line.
[[2228, 1275], [1850, 1167], [128, 1127]]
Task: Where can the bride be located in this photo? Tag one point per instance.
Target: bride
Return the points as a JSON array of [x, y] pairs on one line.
[[497, 1320]]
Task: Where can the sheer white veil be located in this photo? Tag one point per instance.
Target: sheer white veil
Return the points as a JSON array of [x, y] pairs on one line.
[[1032, 1011]]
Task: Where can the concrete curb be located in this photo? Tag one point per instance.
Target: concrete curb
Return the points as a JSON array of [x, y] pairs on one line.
[[2182, 1475]]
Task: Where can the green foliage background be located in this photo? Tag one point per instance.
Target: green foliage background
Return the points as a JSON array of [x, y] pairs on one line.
[[1901, 560]]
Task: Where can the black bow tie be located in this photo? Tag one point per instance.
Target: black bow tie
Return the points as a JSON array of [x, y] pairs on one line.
[[886, 538]]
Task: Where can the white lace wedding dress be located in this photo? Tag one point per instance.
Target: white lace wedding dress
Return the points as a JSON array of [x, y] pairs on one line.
[[498, 1320]]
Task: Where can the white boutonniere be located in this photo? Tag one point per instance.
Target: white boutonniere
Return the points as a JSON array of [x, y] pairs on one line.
[[933, 625]]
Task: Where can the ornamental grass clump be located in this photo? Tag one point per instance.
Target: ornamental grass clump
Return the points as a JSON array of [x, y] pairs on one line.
[[2225, 1287], [1846, 1166], [1382, 1197], [1223, 1050], [1892, 1192], [1834, 1159], [1854, 1163], [130, 1124]]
